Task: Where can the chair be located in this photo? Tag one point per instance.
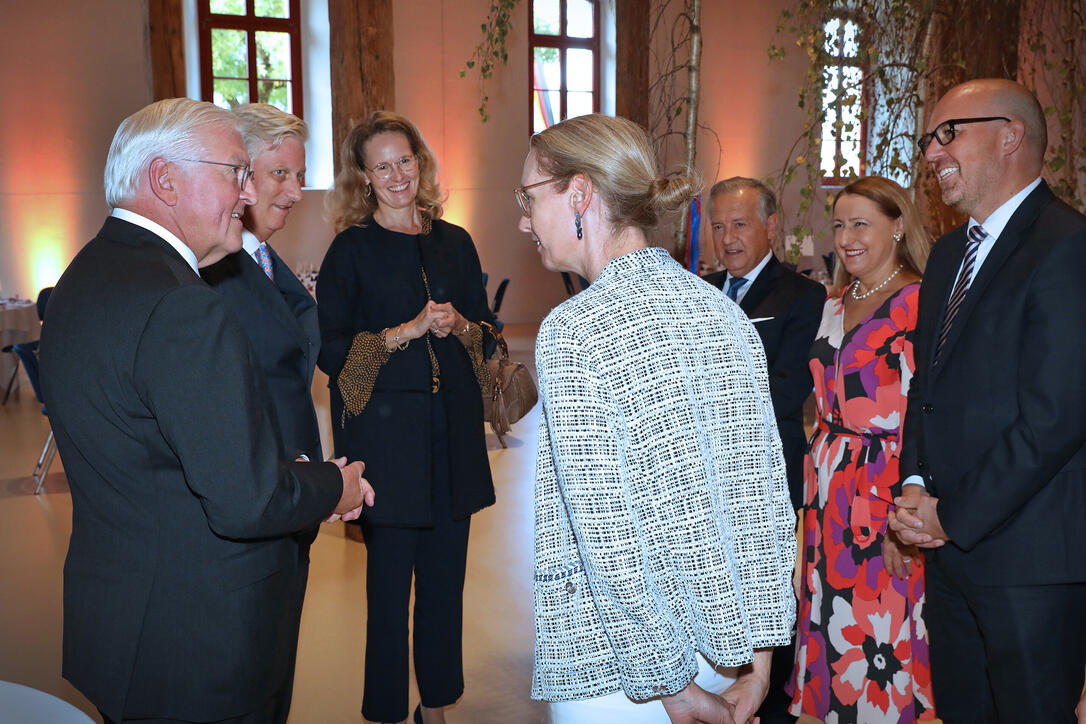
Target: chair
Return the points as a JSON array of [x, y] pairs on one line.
[[42, 301], [499, 295], [28, 355]]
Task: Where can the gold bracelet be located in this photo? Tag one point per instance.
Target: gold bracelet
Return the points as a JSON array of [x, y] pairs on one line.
[[396, 338], [466, 329]]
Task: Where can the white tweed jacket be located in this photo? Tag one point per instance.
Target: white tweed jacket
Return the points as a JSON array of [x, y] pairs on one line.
[[662, 520]]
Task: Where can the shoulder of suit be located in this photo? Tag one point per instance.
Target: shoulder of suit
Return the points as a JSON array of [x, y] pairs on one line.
[[716, 278]]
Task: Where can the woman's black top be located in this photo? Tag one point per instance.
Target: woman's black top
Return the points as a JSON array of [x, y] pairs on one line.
[[371, 279]]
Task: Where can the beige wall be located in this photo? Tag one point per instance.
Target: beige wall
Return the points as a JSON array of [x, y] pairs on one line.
[[67, 78], [70, 71]]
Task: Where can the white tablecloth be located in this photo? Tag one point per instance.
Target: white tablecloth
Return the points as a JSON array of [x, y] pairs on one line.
[[24, 705]]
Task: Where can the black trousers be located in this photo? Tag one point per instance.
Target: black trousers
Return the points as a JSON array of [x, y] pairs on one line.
[[1004, 654], [774, 709], [437, 558]]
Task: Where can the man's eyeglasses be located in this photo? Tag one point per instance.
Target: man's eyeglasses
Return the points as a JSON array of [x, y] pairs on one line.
[[383, 170], [945, 131], [524, 201], [241, 173]]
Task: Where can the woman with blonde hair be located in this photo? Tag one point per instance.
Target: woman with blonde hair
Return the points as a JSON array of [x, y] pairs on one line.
[[400, 297], [664, 533], [861, 647]]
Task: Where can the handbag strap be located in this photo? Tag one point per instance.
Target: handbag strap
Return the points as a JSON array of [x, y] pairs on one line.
[[435, 368], [503, 348]]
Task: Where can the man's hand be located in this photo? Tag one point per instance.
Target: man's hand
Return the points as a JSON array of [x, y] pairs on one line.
[[356, 491], [915, 521], [750, 689], [695, 705]]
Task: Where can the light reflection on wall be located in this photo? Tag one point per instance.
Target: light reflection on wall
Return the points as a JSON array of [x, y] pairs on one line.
[[45, 228]]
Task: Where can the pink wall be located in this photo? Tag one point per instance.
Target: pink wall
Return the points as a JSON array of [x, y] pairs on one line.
[[69, 72], [68, 78]]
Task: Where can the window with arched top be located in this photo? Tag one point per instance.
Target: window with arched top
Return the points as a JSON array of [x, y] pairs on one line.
[[564, 53], [250, 52], [844, 110]]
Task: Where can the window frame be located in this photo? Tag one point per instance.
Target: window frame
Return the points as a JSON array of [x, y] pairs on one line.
[[842, 61], [563, 43], [206, 20]]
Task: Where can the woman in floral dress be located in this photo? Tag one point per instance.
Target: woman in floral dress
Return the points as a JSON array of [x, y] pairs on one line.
[[862, 650]]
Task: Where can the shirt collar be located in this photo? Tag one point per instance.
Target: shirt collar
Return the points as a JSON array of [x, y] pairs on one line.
[[160, 231], [249, 242], [998, 219], [753, 273]]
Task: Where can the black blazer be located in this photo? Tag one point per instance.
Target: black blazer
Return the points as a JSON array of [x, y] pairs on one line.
[[790, 306], [997, 427], [180, 577], [371, 279], [280, 318]]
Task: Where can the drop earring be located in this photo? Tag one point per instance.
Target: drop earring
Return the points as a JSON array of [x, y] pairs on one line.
[[577, 223]]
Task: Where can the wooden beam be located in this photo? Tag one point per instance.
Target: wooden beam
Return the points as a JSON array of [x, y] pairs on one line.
[[632, 60], [167, 49], [363, 78]]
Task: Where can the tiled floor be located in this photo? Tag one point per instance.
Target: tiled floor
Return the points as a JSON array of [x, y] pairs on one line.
[[328, 686]]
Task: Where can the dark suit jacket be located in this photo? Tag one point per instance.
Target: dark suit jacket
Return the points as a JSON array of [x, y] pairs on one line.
[[997, 426], [280, 318], [180, 571], [790, 306]]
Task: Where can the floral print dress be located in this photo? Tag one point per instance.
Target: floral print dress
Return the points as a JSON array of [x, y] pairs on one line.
[[861, 646]]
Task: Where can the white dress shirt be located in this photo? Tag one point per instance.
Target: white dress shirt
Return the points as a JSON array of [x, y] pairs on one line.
[[158, 230]]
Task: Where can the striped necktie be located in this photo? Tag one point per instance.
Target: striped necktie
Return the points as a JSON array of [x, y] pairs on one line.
[[734, 285], [263, 258], [976, 236]]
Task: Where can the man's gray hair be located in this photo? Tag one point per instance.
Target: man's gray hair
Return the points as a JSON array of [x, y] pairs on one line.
[[767, 200], [169, 129], [264, 127]]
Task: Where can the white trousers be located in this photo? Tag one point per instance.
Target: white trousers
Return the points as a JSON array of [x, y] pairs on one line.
[[617, 708]]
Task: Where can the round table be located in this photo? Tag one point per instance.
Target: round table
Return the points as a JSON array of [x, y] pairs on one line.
[[18, 323], [22, 704]]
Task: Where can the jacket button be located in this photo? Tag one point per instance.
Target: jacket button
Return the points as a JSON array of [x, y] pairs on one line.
[[927, 408], [571, 587]]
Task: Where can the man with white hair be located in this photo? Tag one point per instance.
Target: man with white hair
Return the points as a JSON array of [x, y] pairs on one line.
[[179, 581]]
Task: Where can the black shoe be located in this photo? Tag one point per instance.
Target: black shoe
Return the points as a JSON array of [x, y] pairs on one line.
[[418, 714]]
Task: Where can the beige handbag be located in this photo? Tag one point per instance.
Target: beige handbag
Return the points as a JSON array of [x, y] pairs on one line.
[[513, 391]]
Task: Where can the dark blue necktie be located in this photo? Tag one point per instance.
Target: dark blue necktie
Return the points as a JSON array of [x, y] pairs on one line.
[[734, 285]]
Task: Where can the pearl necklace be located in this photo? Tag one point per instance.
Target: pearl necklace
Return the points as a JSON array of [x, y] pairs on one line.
[[872, 290]]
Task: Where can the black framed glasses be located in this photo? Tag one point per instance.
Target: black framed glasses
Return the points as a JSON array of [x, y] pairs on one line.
[[524, 201], [944, 133], [384, 169], [241, 173]]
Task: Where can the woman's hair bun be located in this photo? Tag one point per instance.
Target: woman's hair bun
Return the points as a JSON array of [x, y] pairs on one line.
[[672, 193]]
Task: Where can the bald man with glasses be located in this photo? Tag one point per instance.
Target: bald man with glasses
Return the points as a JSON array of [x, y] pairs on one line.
[[994, 447]]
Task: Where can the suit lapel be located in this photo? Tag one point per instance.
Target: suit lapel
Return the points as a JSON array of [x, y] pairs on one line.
[[761, 286], [267, 292], [302, 306], [1009, 240]]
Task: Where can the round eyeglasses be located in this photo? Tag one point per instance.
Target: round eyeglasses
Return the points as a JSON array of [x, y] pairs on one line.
[[383, 170], [524, 200]]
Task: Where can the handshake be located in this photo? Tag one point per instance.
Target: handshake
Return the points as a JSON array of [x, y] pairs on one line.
[[356, 491]]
